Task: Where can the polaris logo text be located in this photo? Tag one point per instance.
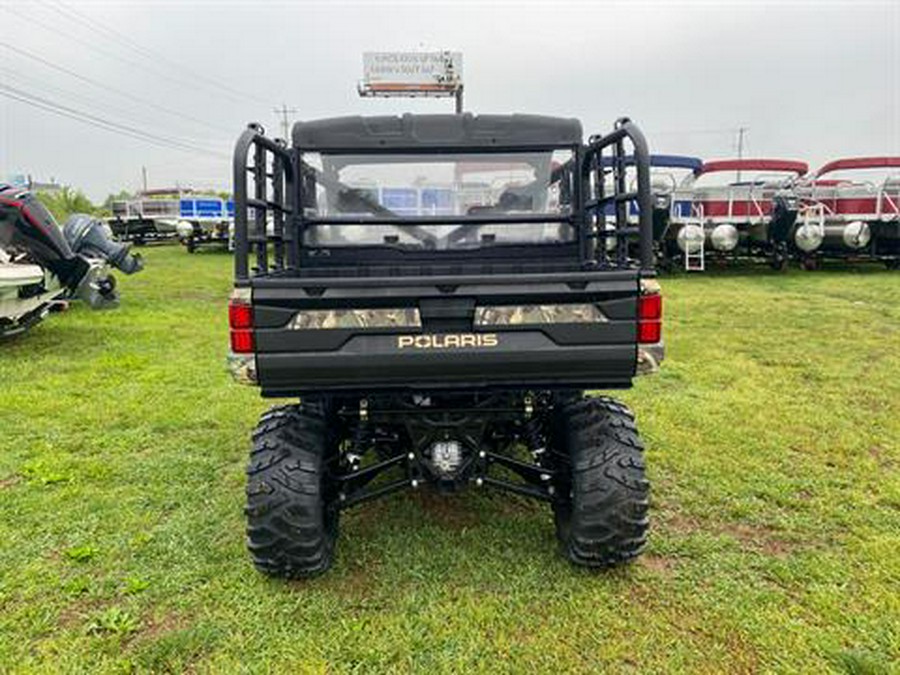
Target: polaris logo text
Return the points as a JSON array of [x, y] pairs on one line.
[[448, 341]]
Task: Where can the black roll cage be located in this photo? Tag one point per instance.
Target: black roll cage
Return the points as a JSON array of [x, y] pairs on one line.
[[281, 182]]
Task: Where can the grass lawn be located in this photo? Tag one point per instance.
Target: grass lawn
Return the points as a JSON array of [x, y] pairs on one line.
[[773, 439]]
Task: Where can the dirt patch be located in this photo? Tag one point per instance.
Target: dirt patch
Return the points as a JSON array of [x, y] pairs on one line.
[[9, 481], [659, 564], [360, 585], [81, 611], [756, 538], [70, 616], [742, 652], [875, 452], [153, 628], [679, 523], [450, 511]]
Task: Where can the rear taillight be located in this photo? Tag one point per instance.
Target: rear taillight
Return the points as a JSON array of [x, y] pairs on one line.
[[242, 341], [240, 322], [240, 315], [649, 326]]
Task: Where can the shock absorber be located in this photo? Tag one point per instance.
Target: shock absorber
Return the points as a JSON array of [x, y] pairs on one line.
[[533, 432], [360, 436]]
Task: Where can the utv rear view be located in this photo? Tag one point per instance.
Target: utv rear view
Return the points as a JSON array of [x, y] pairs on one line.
[[439, 291]]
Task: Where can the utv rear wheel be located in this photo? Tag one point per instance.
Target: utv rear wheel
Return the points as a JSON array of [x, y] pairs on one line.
[[601, 516], [291, 529]]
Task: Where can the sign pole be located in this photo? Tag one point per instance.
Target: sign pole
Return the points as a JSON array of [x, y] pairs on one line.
[[459, 100]]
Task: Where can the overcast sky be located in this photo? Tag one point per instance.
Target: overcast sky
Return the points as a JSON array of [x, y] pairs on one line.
[[809, 81]]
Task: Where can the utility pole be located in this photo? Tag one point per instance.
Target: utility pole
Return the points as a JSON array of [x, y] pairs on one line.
[[740, 148], [284, 111], [144, 177]]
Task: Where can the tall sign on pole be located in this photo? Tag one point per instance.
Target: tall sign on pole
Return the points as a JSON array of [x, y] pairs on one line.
[[413, 74]]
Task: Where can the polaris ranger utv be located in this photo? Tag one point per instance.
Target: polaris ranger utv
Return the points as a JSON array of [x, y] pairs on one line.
[[438, 290]]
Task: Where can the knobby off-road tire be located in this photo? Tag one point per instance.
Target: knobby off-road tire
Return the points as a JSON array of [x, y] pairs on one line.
[[601, 516], [290, 530]]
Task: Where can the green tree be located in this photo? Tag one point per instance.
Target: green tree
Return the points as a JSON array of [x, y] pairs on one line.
[[65, 202]]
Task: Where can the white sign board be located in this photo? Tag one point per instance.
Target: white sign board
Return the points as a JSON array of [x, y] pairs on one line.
[[411, 72]]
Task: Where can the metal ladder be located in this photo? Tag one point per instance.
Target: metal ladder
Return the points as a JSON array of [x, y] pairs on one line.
[[696, 261]]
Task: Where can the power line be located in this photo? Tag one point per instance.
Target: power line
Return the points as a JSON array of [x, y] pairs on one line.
[[180, 81], [92, 120], [108, 125], [70, 12], [107, 87], [46, 89]]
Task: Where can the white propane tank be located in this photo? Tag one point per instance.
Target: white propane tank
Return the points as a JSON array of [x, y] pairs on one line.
[[690, 238], [856, 234], [184, 229], [724, 237], [809, 237]]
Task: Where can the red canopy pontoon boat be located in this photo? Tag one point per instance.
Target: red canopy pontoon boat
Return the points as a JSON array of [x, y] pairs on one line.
[[851, 216], [750, 215]]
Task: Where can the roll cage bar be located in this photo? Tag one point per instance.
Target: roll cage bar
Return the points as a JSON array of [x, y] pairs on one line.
[[283, 186]]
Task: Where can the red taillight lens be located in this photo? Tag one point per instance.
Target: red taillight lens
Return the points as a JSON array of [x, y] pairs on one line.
[[649, 326], [240, 321], [650, 307], [649, 332], [240, 315], [242, 341]]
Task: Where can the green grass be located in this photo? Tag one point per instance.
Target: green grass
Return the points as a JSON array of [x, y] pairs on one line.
[[772, 436]]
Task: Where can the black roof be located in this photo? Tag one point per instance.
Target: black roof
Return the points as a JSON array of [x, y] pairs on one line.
[[411, 132]]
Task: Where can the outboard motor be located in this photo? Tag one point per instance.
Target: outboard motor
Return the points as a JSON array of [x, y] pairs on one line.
[[662, 213], [92, 238], [784, 215], [26, 225]]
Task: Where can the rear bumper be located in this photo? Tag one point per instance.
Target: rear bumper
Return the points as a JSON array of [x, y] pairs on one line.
[[519, 360], [447, 349]]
